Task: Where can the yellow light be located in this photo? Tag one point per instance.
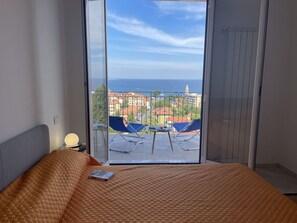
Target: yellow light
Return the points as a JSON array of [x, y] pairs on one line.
[[71, 140]]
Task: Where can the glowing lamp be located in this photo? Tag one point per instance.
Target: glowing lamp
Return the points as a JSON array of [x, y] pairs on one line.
[[71, 140]]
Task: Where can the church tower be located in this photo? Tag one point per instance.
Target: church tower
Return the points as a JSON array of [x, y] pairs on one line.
[[187, 89]]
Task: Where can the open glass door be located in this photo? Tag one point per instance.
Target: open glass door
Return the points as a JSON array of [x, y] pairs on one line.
[[232, 80], [155, 67], [97, 78]]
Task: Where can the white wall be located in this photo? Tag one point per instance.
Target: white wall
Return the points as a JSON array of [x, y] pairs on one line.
[[275, 66], [288, 150], [32, 79], [48, 46], [277, 141], [73, 34], [18, 102]]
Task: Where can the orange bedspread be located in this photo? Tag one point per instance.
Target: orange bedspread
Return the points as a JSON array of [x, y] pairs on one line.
[[58, 189]]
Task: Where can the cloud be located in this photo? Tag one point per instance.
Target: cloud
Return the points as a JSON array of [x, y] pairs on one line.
[[155, 69], [192, 10], [156, 65], [137, 27], [161, 50], [170, 50]]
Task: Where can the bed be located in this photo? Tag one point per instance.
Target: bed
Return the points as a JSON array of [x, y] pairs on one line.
[[55, 188]]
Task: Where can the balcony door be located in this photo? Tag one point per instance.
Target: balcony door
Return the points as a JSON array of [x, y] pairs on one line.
[[155, 71], [234, 79], [97, 78]]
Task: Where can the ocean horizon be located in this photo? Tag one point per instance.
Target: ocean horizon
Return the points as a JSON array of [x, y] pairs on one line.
[[149, 85]]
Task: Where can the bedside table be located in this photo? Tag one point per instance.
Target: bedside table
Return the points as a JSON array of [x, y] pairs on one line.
[[80, 148]]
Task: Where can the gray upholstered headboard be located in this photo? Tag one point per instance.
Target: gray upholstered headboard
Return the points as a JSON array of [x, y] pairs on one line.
[[20, 153]]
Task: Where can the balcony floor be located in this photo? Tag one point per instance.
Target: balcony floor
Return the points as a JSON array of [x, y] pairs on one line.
[[162, 153]]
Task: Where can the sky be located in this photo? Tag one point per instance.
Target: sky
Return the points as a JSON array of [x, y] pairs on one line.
[[148, 39]]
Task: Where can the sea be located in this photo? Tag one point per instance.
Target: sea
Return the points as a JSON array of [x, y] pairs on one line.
[[149, 85]]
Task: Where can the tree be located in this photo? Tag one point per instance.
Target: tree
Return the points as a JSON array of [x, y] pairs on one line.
[[131, 117], [143, 110], [152, 120], [163, 103], [195, 116], [156, 93], [99, 99], [125, 103]]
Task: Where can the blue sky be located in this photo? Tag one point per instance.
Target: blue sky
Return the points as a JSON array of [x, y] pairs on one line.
[[152, 39]]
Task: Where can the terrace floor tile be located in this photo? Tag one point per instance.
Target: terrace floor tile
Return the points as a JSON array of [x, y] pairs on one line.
[[162, 154]]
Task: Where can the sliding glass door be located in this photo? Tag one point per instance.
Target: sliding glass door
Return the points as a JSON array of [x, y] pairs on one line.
[[97, 78]]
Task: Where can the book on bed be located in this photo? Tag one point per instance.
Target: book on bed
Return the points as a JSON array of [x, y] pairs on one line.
[[101, 175]]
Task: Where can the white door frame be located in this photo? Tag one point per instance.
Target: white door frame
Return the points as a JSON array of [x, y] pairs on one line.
[[89, 115], [258, 83], [207, 72]]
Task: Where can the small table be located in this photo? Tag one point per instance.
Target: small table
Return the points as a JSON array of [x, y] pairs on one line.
[[156, 129]]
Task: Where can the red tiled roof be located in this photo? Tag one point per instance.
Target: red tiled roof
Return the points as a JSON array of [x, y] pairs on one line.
[[163, 111], [115, 101], [177, 119], [130, 109], [126, 95]]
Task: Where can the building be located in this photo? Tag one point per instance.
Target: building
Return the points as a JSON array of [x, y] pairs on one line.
[[42, 75], [128, 98], [162, 113], [193, 99]]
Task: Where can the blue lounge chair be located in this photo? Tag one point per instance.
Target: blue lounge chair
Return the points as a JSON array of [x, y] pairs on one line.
[[186, 127], [127, 131]]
